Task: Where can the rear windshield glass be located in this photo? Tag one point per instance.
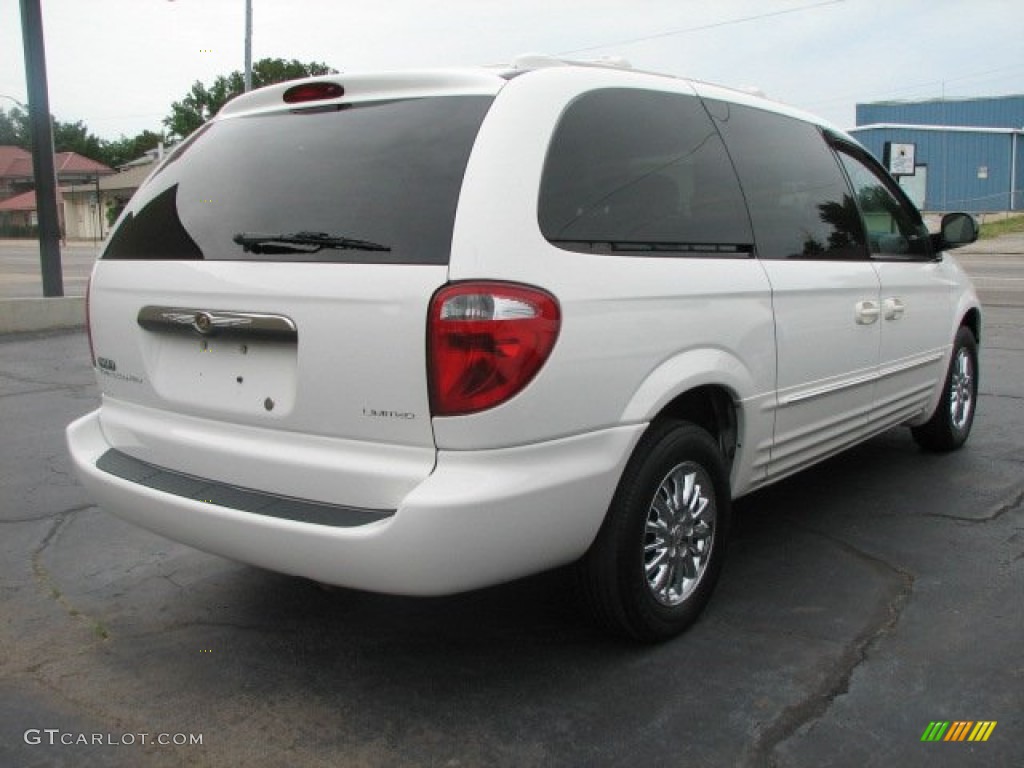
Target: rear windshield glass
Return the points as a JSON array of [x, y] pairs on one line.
[[369, 183]]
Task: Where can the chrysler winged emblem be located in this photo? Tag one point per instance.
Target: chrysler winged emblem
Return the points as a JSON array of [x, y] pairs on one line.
[[208, 322], [203, 323]]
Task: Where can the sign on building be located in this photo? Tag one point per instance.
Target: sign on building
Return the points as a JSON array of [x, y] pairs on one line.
[[899, 158]]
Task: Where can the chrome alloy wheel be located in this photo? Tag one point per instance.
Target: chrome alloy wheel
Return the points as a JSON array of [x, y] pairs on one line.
[[961, 389], [678, 535]]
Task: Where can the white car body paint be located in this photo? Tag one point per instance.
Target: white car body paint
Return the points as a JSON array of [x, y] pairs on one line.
[[342, 417]]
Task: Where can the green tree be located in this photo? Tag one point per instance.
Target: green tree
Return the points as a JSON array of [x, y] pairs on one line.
[[125, 149], [14, 128], [202, 102], [67, 137], [75, 137]]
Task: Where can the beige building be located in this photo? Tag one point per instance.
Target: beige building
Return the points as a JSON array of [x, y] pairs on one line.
[[86, 206], [17, 196]]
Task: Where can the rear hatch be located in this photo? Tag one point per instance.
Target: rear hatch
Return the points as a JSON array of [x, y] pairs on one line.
[[265, 293]]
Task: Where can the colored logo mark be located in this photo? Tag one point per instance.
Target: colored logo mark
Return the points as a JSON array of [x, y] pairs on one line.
[[960, 730]]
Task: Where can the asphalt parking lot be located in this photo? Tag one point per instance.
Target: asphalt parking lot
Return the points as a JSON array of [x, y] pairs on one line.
[[19, 267], [863, 600]]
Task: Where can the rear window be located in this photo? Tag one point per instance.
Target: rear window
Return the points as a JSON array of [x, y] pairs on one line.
[[303, 185]]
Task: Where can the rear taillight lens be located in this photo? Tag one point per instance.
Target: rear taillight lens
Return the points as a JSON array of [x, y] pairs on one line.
[[486, 341], [88, 321]]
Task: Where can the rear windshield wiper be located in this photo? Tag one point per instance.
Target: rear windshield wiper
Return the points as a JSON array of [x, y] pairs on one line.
[[302, 242]]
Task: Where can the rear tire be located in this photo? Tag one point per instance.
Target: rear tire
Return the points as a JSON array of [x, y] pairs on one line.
[[950, 425], [659, 553]]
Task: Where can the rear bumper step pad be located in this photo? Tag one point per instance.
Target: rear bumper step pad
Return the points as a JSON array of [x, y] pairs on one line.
[[128, 468]]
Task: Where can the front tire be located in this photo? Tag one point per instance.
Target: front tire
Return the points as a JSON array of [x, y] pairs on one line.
[[950, 425], [659, 553]]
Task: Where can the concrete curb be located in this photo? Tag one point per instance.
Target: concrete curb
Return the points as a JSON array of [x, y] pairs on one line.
[[24, 315]]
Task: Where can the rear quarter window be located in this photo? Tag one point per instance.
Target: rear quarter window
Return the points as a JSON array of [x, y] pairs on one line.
[[386, 172], [641, 171]]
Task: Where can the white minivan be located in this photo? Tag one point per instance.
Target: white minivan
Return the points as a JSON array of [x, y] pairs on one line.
[[426, 332]]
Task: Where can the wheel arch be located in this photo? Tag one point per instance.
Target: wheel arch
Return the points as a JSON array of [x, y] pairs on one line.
[[706, 387], [713, 408], [972, 319]]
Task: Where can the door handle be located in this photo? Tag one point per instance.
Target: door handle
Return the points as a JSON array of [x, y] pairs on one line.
[[893, 308], [866, 312]]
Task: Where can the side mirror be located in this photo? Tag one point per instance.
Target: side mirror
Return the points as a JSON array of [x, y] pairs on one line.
[[958, 229]]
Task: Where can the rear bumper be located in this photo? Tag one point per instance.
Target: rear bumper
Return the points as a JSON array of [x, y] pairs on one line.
[[480, 518]]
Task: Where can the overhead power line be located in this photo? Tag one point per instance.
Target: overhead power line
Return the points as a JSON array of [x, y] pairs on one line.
[[879, 95], [729, 22]]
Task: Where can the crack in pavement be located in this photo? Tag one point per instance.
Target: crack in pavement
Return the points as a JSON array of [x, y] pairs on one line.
[[181, 626], [46, 582], [1000, 396], [997, 512], [48, 515], [170, 578], [1000, 510], [89, 706], [837, 681], [998, 457], [46, 390], [31, 380]]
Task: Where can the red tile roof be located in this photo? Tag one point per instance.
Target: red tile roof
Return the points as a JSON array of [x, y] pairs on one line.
[[12, 160], [72, 162], [15, 162], [26, 201]]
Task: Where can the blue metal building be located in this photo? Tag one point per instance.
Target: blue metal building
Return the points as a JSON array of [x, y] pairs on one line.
[[967, 155]]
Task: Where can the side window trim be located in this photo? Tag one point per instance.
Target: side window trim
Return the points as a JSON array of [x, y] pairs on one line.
[[753, 251], [837, 147]]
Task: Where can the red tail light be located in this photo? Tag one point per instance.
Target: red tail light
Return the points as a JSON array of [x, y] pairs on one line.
[[486, 342]]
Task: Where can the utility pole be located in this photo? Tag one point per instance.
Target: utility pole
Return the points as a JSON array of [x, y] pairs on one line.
[[42, 149], [248, 45]]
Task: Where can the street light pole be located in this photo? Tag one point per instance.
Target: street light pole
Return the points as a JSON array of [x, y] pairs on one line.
[[248, 45], [42, 149]]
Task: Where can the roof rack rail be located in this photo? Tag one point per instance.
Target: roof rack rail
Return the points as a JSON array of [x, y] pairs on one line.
[[544, 61]]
